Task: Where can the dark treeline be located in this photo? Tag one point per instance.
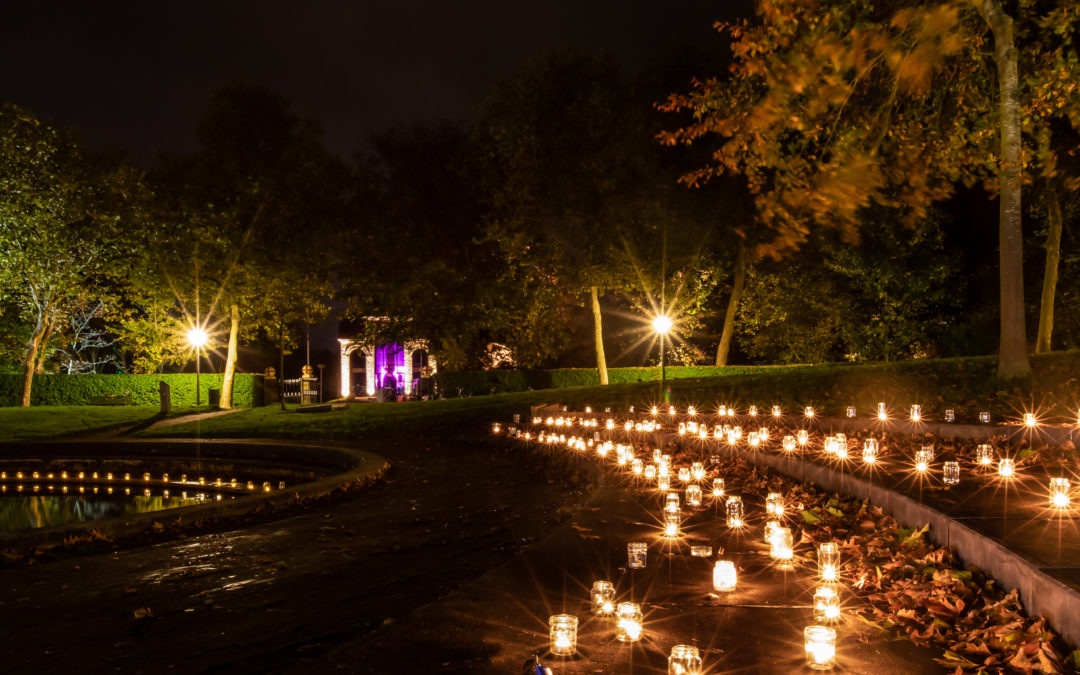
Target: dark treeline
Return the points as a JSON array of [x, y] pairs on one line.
[[547, 231]]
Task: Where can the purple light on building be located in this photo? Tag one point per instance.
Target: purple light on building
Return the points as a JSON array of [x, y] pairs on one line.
[[392, 356]]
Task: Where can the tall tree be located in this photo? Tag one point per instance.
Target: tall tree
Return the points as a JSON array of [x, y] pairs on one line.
[[834, 106], [258, 205], [568, 183], [58, 239]]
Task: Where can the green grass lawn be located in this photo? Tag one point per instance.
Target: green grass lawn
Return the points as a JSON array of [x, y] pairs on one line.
[[31, 424], [966, 385]]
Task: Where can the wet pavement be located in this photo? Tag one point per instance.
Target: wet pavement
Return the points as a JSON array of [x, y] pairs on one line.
[[454, 563]]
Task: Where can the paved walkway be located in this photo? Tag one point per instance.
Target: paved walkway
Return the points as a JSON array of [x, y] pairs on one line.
[[306, 595]]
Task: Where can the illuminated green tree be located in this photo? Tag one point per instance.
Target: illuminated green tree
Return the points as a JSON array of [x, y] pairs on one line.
[[61, 233], [249, 217]]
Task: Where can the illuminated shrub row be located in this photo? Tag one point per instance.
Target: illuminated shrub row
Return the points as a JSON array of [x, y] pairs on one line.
[[142, 389]]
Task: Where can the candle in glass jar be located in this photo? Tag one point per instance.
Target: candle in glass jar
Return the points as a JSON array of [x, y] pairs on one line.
[[774, 504], [563, 634], [950, 473], [916, 412], [828, 556], [922, 460], [672, 520], [1006, 467], [826, 603], [724, 576], [717, 488], [693, 496], [636, 554], [684, 660], [820, 645], [984, 454], [870, 450], [603, 598], [1059, 493], [882, 411], [628, 622], [697, 470], [734, 511], [782, 545]]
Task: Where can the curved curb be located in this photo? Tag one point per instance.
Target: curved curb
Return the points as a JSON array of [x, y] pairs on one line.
[[1041, 594], [351, 469]]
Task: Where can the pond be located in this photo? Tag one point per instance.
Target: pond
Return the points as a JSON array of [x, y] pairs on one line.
[[53, 485]]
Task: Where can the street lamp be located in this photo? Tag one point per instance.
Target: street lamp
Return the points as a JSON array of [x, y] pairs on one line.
[[662, 325], [197, 338]]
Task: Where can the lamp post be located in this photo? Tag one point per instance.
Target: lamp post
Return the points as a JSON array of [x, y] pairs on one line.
[[197, 338], [662, 324]]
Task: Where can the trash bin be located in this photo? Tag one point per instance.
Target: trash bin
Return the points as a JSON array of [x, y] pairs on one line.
[[213, 397]]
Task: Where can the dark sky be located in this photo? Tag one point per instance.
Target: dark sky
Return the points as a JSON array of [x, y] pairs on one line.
[[139, 74]]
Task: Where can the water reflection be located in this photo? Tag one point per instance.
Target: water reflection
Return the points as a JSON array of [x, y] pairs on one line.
[[31, 511]]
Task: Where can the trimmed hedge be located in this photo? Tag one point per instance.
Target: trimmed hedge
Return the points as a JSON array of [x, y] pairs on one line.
[[477, 383], [143, 389]]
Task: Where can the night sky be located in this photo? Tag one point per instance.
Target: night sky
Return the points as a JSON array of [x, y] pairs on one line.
[[139, 74]]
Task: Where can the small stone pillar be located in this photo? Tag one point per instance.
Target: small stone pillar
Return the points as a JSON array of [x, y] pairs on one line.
[[165, 394], [309, 389], [270, 387]]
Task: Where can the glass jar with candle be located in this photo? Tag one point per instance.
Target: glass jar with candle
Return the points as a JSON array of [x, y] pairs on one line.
[[851, 411], [916, 413], [870, 450], [1059, 493], [802, 437], [734, 509], [717, 488], [684, 660], [697, 471], [820, 645], [1006, 467], [774, 504], [603, 598], [724, 576], [563, 633], [950, 415], [628, 622], [684, 474], [922, 460], [671, 501], [828, 557], [984, 417], [636, 554], [827, 603], [882, 411], [789, 443], [672, 520], [782, 545], [984, 454], [693, 496], [950, 473]]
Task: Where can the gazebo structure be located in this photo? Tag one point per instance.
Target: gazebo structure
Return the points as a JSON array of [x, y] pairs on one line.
[[366, 369]]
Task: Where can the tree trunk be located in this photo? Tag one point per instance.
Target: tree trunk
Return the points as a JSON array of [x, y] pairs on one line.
[[33, 347], [226, 401], [733, 305], [1012, 352], [598, 335], [1050, 276]]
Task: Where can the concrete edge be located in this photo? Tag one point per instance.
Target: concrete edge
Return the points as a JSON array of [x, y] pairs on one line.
[[360, 467], [1041, 594]]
